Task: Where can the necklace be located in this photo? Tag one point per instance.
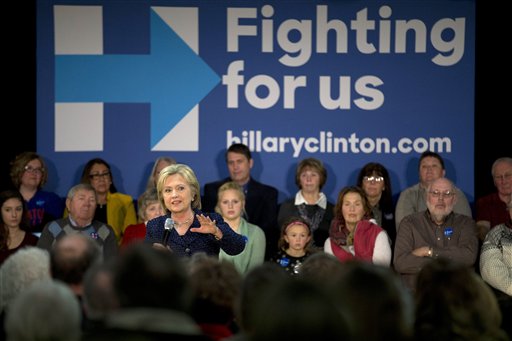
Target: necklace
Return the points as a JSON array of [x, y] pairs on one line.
[[178, 224]]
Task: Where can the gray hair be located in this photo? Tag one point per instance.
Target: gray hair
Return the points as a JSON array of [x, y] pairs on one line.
[[23, 268], [28, 317]]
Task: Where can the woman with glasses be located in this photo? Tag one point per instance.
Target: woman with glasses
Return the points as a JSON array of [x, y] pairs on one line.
[[113, 208], [28, 175], [374, 179]]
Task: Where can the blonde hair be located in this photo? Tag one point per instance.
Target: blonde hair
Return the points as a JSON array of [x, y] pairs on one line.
[[190, 177], [226, 187]]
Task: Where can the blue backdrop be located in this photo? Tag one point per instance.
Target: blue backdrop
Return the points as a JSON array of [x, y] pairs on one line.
[[347, 82]]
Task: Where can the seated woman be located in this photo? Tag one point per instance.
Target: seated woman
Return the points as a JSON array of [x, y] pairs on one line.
[[352, 235], [230, 205], [149, 208], [309, 202]]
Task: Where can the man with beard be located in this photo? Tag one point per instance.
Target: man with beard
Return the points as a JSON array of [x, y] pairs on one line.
[[434, 233]]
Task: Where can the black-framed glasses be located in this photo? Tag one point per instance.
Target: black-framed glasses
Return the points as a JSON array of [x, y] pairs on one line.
[[96, 176], [438, 194], [373, 178], [37, 170]]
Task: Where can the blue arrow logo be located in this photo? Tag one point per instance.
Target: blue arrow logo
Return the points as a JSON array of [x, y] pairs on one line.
[[173, 78]]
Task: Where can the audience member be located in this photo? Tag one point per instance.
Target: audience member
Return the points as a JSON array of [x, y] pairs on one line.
[[377, 305], [496, 266], [148, 208], [413, 199], [81, 204], [491, 210], [454, 303], [98, 297], [185, 229], [352, 234], [295, 245], [496, 255], [215, 289], [113, 208], [154, 295], [28, 175], [309, 202], [436, 232], [160, 163], [231, 205], [295, 309], [374, 179], [322, 268], [260, 199], [70, 257], [255, 286], [47, 310], [17, 273], [14, 226]]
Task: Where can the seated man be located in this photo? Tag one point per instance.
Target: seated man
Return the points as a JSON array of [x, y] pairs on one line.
[[491, 210], [433, 233], [81, 205], [260, 199], [413, 199]]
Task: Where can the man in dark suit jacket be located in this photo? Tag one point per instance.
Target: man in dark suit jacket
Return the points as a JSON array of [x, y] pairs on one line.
[[260, 199]]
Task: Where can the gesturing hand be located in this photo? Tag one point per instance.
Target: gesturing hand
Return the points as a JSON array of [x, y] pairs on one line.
[[207, 226]]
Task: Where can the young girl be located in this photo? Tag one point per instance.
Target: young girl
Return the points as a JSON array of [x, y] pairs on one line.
[[14, 224], [294, 245]]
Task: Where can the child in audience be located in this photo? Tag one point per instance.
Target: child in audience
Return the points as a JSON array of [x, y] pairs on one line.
[[294, 245]]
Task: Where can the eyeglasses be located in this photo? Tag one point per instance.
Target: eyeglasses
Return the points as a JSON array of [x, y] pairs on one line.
[[96, 176], [373, 178], [38, 170], [504, 177], [438, 194]]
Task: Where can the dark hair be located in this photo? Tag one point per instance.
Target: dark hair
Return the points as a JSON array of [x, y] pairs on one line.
[[429, 153], [87, 171], [375, 168], [151, 278], [338, 219], [314, 164], [24, 223], [454, 303], [239, 148], [18, 168]]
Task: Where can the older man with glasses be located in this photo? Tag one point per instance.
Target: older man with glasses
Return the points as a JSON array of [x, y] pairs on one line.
[[491, 210], [436, 232]]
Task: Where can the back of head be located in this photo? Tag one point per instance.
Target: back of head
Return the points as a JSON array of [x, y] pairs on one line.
[[294, 309], [99, 296], [25, 267], [454, 303], [322, 268], [48, 310], [146, 277], [255, 286], [71, 256], [216, 286], [378, 306]]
